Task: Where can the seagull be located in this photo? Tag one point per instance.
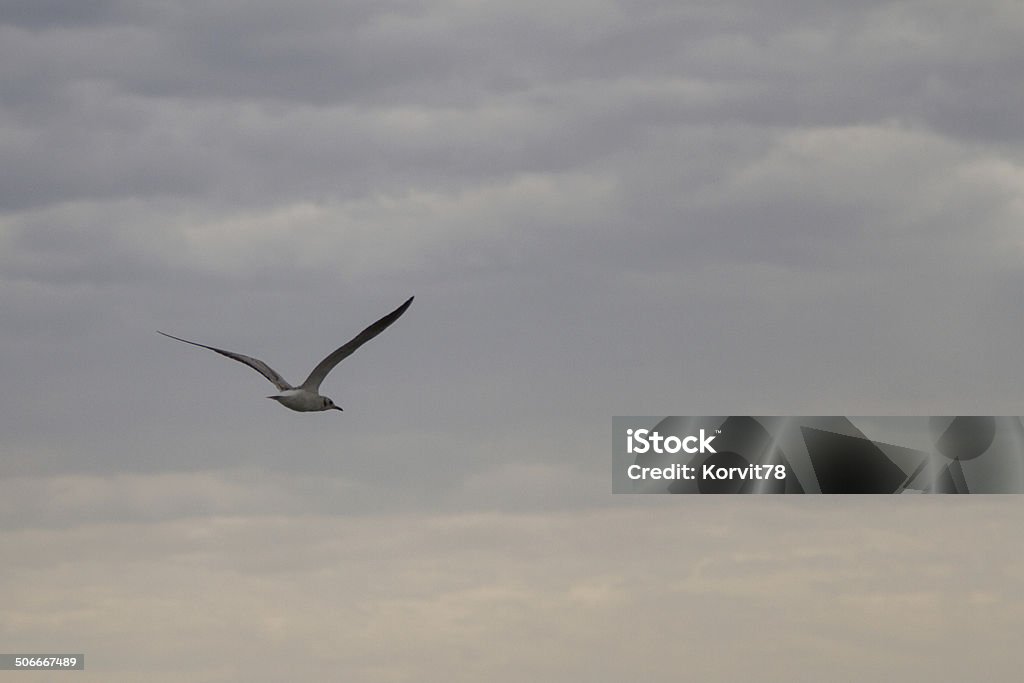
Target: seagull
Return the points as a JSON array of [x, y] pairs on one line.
[[306, 397]]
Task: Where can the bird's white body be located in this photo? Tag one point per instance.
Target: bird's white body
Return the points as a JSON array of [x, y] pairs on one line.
[[306, 397], [303, 401]]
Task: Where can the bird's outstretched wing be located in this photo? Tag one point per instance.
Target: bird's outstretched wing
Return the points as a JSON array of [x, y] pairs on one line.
[[312, 382], [254, 363]]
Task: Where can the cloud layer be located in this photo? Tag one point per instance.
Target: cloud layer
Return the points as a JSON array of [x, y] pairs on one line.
[[602, 209], [603, 595]]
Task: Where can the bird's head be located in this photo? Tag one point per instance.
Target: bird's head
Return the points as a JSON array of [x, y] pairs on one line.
[[328, 404]]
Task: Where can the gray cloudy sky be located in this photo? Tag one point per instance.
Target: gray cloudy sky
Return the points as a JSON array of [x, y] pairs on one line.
[[602, 208]]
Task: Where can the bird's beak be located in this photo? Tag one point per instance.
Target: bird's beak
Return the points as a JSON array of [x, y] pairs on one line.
[[338, 408]]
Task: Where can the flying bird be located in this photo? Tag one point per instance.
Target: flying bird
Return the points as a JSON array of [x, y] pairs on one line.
[[306, 397]]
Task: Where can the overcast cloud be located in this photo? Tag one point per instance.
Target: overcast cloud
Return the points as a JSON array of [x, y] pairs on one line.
[[602, 209]]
